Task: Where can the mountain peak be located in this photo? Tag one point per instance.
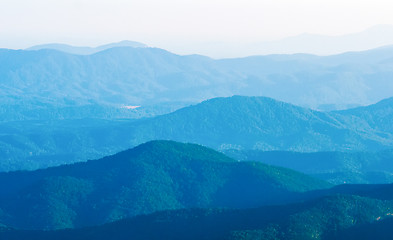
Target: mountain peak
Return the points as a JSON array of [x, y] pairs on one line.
[[124, 43], [83, 50], [165, 148], [251, 102], [155, 176]]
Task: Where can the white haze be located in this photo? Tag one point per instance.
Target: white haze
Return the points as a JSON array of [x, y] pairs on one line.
[[216, 28]]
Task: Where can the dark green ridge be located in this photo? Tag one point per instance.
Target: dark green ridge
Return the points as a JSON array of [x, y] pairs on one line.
[[157, 175], [326, 218]]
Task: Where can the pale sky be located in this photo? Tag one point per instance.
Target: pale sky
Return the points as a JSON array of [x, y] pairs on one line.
[[176, 24]]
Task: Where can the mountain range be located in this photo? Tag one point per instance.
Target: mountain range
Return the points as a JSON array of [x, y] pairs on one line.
[[242, 123], [373, 37], [309, 43], [86, 50], [190, 147], [142, 76]]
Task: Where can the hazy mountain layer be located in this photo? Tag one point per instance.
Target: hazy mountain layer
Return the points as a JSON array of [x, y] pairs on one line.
[[121, 75], [335, 167], [243, 123], [141, 76], [86, 50], [44, 111], [265, 124], [373, 37]]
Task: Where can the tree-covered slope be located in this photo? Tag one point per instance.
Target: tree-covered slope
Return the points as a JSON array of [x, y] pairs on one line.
[[335, 167], [380, 229], [154, 176], [119, 75], [236, 122], [378, 116], [140, 76], [325, 218], [260, 123], [48, 84]]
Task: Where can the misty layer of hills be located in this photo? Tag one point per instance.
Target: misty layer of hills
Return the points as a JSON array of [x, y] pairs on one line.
[[235, 123], [86, 50], [334, 167], [33, 80], [374, 37], [184, 150]]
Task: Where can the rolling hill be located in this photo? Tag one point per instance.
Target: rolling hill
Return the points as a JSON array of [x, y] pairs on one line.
[[157, 175], [261, 123], [378, 116], [119, 75], [238, 122]]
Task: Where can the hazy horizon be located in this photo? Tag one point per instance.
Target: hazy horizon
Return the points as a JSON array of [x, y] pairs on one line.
[[307, 43], [183, 27]]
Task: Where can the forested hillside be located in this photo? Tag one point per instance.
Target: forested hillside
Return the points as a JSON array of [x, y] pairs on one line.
[[154, 176]]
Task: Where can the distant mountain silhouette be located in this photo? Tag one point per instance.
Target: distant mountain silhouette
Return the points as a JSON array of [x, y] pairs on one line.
[[144, 76], [86, 50], [373, 37]]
